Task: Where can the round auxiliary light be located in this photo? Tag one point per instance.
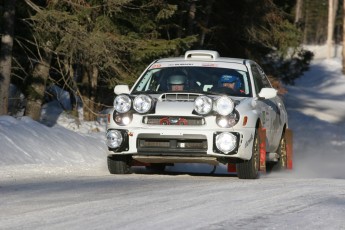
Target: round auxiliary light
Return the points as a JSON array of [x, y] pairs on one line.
[[142, 103], [126, 120], [223, 122], [224, 105], [228, 121], [114, 139], [203, 105], [122, 103], [226, 142]]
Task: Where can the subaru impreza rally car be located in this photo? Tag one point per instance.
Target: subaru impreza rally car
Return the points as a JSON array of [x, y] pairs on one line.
[[200, 108]]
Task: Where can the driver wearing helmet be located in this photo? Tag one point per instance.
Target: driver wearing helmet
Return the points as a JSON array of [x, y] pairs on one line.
[[177, 82], [232, 82]]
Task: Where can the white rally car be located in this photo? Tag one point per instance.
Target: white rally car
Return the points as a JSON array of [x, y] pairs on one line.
[[200, 108]]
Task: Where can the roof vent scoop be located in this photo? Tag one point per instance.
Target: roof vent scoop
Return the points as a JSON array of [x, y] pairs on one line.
[[201, 55]]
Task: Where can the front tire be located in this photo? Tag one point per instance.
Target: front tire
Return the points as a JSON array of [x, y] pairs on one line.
[[249, 169], [119, 164]]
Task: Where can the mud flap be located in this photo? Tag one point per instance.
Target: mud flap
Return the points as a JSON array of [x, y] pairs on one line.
[[138, 163], [262, 144], [289, 148], [231, 168]]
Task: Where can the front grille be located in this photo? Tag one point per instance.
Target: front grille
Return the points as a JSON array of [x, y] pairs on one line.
[[173, 120], [165, 144], [173, 144]]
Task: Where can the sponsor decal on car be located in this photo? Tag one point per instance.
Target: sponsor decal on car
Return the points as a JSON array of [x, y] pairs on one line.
[[246, 144], [209, 65], [155, 66], [173, 121]]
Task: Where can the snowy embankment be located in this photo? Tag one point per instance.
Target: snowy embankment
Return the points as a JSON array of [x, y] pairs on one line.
[[29, 146]]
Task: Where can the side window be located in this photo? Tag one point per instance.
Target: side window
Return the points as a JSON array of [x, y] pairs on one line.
[[259, 84], [264, 78], [260, 79]]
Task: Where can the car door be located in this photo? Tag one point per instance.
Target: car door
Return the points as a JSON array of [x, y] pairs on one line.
[[278, 116], [268, 107]]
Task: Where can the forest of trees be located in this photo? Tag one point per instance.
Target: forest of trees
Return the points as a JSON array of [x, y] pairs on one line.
[[86, 47]]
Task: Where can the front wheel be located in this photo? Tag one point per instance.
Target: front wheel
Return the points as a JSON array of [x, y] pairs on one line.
[[249, 169], [119, 164]]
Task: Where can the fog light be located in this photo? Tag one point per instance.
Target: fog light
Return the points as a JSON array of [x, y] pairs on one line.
[[126, 120], [222, 122], [114, 139], [226, 142], [123, 119]]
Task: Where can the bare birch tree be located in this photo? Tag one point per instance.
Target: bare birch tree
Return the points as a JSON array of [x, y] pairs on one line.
[[298, 15], [6, 54], [332, 9]]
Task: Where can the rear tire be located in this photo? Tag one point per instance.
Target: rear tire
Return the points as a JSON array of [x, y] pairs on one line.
[[119, 164], [249, 169], [282, 162]]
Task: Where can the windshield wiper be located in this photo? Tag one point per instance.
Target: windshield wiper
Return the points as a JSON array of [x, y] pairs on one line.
[[215, 93]]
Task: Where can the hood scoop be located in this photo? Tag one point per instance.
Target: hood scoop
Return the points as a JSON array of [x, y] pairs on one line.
[[179, 96]]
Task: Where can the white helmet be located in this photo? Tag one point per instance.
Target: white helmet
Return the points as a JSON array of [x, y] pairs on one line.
[[177, 79]]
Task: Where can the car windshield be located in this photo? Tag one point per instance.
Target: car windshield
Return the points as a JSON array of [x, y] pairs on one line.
[[205, 80]]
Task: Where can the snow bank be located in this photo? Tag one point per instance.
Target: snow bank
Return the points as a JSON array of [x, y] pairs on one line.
[[25, 141]]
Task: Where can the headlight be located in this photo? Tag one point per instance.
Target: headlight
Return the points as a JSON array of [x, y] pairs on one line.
[[122, 103], [142, 103], [203, 105], [114, 139], [226, 142], [224, 106]]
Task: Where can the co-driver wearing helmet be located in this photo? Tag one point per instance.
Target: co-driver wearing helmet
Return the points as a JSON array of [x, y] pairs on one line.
[[231, 82]]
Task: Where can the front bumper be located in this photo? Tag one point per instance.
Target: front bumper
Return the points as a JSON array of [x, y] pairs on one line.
[[184, 144]]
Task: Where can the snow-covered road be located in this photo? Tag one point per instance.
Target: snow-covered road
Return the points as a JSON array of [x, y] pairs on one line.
[[170, 201]]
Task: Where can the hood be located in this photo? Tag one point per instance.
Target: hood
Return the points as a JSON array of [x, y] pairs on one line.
[[174, 108]]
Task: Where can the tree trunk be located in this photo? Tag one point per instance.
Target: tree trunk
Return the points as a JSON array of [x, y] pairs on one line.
[[204, 27], [298, 15], [330, 28], [306, 21], [89, 92], [36, 93], [6, 54], [344, 38], [191, 18]]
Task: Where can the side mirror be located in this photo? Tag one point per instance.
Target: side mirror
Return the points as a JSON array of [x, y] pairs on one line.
[[120, 89], [267, 93]]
